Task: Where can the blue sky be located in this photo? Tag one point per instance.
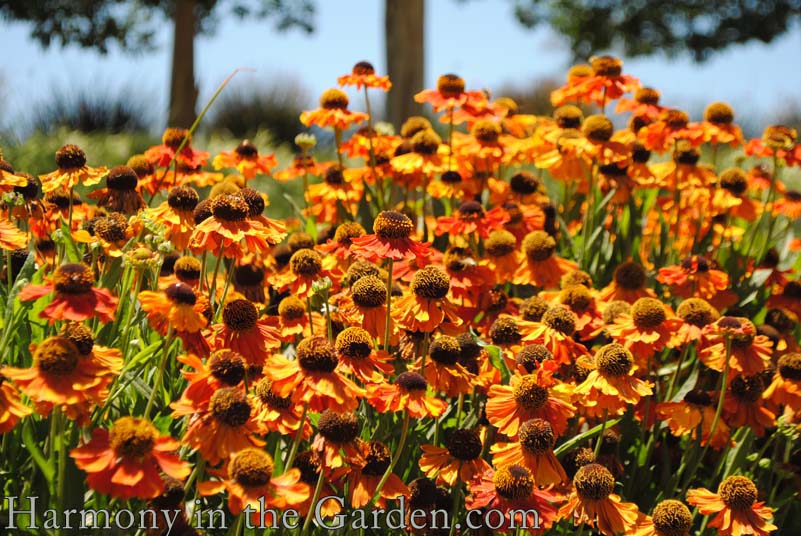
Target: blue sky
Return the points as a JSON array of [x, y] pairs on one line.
[[479, 40]]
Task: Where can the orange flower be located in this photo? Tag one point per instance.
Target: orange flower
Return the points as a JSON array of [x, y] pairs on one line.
[[177, 307], [696, 277], [684, 417], [512, 490], [406, 393], [314, 377], [450, 94], [337, 434], [162, 155], [278, 414], [719, 125], [343, 236], [219, 426], [65, 375], [668, 517], [177, 216], [785, 389], [426, 307], [305, 267], [366, 306], [246, 160], [576, 75], [236, 227], [363, 75], [789, 205], [74, 297], [11, 409], [364, 475], [250, 484], [471, 218], [787, 297], [750, 353], [358, 357], [428, 156], [539, 266], [501, 256], [72, 170], [245, 333], [534, 451], [555, 332], [336, 198], [644, 104], [611, 386], [646, 330], [124, 462], [443, 370], [459, 460], [606, 83], [593, 503], [736, 507], [779, 141], [301, 165], [744, 405], [392, 240], [333, 112], [11, 237], [525, 398], [672, 125], [224, 368], [309, 464]]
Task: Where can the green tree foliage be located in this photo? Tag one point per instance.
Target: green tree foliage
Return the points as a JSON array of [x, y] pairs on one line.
[[645, 27]]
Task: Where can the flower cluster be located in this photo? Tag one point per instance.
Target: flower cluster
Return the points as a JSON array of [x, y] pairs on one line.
[[494, 310]]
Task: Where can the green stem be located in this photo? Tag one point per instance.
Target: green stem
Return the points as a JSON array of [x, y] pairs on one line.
[[160, 372], [388, 327], [601, 434], [395, 457], [296, 442], [317, 489]]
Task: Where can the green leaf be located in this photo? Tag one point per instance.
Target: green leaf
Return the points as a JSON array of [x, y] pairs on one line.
[[496, 357], [573, 441], [48, 469]]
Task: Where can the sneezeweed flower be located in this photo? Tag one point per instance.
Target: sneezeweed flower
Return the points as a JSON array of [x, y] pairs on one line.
[[251, 484], [230, 232], [576, 75], [744, 405], [684, 417], [611, 385], [426, 306], [450, 94], [697, 277], [61, 375], [696, 313], [668, 518], [363, 75], [72, 171], [177, 307], [245, 333], [672, 125], [73, 295], [732, 196], [540, 266], [736, 508], [646, 330], [777, 141], [427, 157], [513, 491], [333, 112], [162, 155], [246, 160], [11, 408], [750, 353], [785, 388], [534, 451], [339, 246], [315, 377], [644, 104], [460, 459], [337, 433], [278, 414], [124, 462], [121, 193], [302, 164], [176, 215], [525, 398], [593, 502], [719, 125], [787, 297], [406, 393], [789, 205], [359, 358], [391, 239], [336, 197], [11, 237], [306, 267], [442, 369], [223, 368], [219, 426], [501, 257], [248, 280], [555, 330], [367, 306], [364, 475], [471, 218]]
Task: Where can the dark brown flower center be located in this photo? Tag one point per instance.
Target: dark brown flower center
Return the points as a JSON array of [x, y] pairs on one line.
[[251, 468], [529, 395], [431, 283], [513, 482], [450, 85], [122, 178], [334, 99], [594, 482], [317, 354], [73, 279], [187, 269], [560, 319], [790, 366], [533, 309], [392, 225], [530, 357], [240, 314], [464, 444], [606, 66], [536, 436], [539, 246], [230, 406], [369, 291], [80, 335], [264, 390], [131, 437], [229, 208], [174, 137], [246, 149], [738, 493], [505, 331], [70, 157], [227, 366], [614, 360], [306, 262], [445, 350], [648, 313], [598, 128], [57, 356], [411, 381], [697, 312], [354, 343], [672, 518], [338, 427], [377, 459], [181, 293]]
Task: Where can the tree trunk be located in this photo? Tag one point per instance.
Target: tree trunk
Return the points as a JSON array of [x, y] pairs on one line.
[[183, 91], [403, 21]]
